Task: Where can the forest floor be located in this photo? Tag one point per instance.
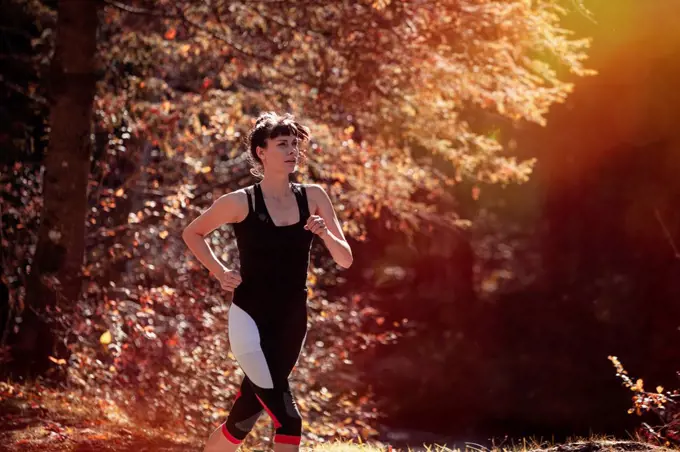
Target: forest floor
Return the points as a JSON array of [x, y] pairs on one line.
[[37, 419]]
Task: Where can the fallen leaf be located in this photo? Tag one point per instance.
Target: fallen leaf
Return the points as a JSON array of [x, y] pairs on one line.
[[105, 338]]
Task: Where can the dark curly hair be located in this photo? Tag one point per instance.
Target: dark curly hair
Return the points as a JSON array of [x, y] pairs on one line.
[[271, 125]]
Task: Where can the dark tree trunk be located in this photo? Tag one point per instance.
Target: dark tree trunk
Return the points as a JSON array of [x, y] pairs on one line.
[[54, 282]]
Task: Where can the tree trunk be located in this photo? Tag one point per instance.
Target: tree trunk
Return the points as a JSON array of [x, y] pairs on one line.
[[55, 276]]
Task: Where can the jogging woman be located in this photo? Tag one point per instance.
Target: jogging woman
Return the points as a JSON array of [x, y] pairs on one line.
[[274, 222]]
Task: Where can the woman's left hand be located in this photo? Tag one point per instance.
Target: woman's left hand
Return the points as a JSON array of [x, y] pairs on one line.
[[317, 225]]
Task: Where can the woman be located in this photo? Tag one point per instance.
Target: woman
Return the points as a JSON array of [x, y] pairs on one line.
[[274, 222]]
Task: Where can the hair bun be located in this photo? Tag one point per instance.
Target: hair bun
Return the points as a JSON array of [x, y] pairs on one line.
[[266, 116]]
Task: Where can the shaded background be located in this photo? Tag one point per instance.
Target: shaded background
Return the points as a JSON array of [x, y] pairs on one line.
[[577, 263]]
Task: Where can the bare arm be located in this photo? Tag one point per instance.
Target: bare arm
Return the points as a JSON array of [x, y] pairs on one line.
[[229, 208], [331, 235]]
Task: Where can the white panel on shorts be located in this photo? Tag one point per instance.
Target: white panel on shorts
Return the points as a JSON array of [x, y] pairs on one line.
[[244, 339]]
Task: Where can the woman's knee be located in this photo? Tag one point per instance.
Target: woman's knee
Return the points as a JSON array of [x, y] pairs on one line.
[[283, 410]]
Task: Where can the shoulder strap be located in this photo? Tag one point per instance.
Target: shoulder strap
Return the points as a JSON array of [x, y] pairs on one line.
[[249, 194], [301, 196], [259, 198], [259, 206]]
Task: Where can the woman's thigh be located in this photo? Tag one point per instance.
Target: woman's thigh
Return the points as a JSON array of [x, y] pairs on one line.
[[267, 345], [282, 347]]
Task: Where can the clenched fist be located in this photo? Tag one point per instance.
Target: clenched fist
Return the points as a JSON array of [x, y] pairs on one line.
[[229, 279], [317, 225]]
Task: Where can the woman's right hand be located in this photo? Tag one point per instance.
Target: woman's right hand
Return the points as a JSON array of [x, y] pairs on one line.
[[229, 279]]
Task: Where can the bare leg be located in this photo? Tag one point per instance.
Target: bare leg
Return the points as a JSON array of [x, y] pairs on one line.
[[218, 443]]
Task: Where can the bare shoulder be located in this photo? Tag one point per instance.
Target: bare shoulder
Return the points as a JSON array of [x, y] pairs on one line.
[[235, 197], [229, 208], [317, 198], [233, 205], [315, 191]]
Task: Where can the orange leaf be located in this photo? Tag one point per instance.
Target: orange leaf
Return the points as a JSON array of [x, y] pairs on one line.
[[170, 34], [60, 361]]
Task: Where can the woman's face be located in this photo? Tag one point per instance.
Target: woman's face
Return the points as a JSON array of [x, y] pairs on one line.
[[281, 154]]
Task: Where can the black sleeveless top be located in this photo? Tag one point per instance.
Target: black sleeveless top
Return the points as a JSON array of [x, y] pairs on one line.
[[274, 259]]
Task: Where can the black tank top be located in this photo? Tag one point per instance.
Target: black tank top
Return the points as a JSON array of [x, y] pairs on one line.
[[274, 259]]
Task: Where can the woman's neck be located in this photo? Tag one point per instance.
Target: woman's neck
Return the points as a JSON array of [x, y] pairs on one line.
[[275, 186]]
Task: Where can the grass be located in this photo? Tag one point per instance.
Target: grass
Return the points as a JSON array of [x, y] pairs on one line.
[[592, 444], [37, 419]]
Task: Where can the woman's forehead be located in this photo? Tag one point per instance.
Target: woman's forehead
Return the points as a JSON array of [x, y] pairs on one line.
[[284, 138]]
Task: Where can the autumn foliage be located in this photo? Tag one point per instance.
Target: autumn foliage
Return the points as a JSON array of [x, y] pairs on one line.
[[662, 403]]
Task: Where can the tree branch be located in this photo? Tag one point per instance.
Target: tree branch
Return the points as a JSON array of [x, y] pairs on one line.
[[182, 17], [14, 87], [136, 10], [667, 234]]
